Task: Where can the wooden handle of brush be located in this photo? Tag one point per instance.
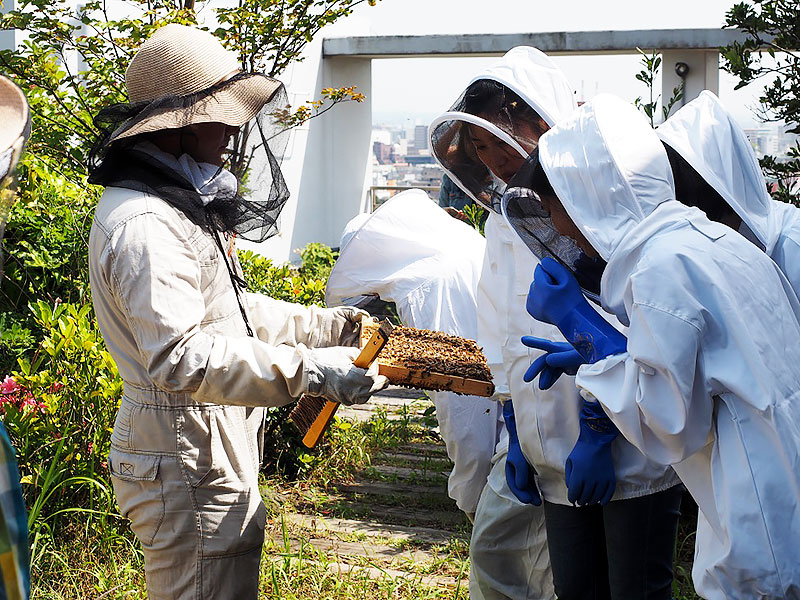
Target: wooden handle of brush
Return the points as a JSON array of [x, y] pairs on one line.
[[320, 424], [362, 361]]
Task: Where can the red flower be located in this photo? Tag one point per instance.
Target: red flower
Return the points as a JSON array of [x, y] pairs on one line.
[[9, 385], [30, 402]]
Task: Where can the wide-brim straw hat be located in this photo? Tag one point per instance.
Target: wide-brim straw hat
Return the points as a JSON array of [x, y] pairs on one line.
[[14, 124], [182, 62]]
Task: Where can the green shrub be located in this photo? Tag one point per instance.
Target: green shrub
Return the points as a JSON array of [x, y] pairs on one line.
[[317, 261], [59, 409], [304, 284], [45, 250]]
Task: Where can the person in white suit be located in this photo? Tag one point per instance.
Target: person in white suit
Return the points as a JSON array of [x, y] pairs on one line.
[[716, 170], [412, 253], [706, 378]]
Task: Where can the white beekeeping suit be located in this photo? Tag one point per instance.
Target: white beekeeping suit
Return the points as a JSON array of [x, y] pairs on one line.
[[709, 382], [412, 253], [705, 134]]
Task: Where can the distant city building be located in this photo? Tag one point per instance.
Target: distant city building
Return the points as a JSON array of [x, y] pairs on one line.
[[401, 147], [420, 159], [763, 139], [384, 136], [402, 165], [420, 138], [771, 139], [384, 153]]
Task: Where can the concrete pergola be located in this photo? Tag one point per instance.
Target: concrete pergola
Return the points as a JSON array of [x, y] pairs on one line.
[[328, 167]]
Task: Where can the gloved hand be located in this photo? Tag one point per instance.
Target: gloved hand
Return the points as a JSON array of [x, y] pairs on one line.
[[555, 297], [560, 358], [341, 326], [332, 374], [554, 292], [589, 469], [519, 474]]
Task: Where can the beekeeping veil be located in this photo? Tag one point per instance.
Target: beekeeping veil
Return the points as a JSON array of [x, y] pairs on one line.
[[515, 100], [523, 210], [15, 128], [183, 76]]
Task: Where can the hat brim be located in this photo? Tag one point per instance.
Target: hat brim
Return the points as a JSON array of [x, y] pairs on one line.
[[234, 105], [14, 113]]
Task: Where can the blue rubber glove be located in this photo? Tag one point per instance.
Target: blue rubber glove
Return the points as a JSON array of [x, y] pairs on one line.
[[519, 474], [560, 358], [589, 469], [555, 297]]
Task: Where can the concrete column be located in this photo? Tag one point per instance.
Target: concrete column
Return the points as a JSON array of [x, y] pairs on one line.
[[336, 167], [303, 81], [327, 161], [8, 37], [703, 73]]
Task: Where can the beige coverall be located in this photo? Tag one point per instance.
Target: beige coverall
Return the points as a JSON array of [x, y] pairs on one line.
[[186, 446]]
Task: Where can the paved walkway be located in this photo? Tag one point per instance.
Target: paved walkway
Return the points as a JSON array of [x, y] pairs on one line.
[[395, 518]]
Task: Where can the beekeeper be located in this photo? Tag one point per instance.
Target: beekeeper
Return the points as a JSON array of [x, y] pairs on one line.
[[481, 143], [15, 127], [200, 358], [707, 379], [716, 170], [410, 252]]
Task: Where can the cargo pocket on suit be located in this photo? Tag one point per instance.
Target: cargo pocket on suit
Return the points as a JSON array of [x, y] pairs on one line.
[[139, 491]]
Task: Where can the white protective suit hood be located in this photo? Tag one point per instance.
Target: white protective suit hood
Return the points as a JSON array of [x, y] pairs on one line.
[[533, 76], [412, 253], [609, 178], [704, 133], [401, 246]]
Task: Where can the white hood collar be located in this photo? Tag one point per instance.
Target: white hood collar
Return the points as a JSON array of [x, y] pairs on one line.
[[608, 168], [708, 138]]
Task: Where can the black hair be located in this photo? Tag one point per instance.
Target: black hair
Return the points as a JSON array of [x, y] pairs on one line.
[[539, 182], [691, 189], [489, 97]]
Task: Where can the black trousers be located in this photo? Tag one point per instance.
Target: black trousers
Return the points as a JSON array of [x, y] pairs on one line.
[[622, 551]]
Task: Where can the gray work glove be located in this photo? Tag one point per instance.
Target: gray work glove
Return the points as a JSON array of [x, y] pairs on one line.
[[332, 374], [341, 326]]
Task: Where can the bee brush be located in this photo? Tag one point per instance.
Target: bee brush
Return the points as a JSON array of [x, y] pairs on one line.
[[313, 414]]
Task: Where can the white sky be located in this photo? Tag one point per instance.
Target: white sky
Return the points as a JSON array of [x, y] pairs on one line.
[[416, 90]]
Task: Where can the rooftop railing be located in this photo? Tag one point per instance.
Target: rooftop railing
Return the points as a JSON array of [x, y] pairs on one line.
[[378, 194]]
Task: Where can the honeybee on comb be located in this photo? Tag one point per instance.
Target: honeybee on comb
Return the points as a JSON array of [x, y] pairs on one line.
[[433, 360]]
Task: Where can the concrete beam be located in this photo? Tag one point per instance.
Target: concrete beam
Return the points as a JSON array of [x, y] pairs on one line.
[[555, 43]]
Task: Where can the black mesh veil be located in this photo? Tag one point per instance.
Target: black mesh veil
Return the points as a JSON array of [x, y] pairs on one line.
[[513, 129], [524, 211], [255, 153]]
